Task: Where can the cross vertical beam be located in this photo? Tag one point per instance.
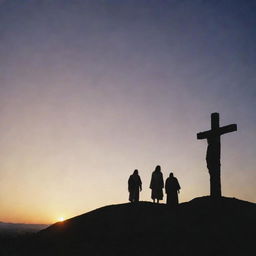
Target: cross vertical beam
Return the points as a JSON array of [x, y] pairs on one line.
[[215, 121]]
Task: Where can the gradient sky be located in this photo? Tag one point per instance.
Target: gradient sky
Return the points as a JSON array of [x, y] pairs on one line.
[[91, 90]]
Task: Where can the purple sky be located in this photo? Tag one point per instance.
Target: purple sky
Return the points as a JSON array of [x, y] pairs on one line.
[[91, 90]]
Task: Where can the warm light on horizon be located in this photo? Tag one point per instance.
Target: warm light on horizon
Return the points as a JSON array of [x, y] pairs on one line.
[[60, 219]]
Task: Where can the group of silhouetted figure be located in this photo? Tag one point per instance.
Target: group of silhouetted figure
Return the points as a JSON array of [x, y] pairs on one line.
[[171, 186]]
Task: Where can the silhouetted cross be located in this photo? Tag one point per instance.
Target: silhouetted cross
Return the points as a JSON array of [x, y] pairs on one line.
[[213, 151]]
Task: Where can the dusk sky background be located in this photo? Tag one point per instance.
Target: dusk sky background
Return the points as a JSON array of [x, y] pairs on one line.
[[91, 90]]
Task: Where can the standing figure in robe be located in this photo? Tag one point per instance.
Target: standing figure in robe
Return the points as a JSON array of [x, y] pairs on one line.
[[172, 188], [157, 184], [134, 187]]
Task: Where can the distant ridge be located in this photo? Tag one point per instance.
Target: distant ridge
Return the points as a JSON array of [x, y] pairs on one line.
[[20, 228], [200, 227]]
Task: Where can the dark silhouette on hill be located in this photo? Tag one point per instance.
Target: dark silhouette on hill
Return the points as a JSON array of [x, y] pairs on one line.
[[213, 151], [172, 188], [134, 187], [157, 184], [203, 226]]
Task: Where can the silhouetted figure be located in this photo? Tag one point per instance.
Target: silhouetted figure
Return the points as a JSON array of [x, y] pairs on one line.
[[172, 188], [213, 151], [157, 184], [134, 187]]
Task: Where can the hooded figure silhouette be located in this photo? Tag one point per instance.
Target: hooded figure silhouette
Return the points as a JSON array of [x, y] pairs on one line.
[[134, 186], [172, 188]]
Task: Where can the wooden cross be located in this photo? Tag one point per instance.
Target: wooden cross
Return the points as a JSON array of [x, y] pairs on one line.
[[214, 150]]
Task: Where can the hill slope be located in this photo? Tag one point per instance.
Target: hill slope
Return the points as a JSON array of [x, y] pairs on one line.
[[199, 227]]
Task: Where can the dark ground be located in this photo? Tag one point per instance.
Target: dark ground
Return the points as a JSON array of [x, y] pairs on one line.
[[199, 227]]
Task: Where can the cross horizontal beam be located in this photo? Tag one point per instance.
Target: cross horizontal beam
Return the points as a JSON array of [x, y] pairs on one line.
[[228, 129], [217, 132]]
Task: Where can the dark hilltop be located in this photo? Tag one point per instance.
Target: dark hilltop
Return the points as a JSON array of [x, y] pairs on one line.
[[203, 226]]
